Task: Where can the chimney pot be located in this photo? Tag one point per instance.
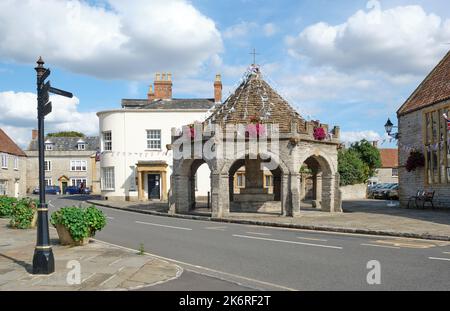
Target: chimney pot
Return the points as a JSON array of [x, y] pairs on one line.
[[218, 89], [34, 134]]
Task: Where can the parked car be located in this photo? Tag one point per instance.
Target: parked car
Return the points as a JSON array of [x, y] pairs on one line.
[[392, 193], [52, 190], [372, 189], [382, 193], [77, 190]]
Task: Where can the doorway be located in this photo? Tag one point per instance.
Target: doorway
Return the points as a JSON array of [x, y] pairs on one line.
[[64, 186], [154, 189]]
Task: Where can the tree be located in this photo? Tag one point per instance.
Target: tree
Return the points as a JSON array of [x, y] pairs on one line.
[[66, 134], [369, 154], [352, 169]]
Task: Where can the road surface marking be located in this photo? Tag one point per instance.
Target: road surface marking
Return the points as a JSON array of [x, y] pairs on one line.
[[115, 261], [446, 252], [159, 225], [259, 233], [412, 243], [312, 239], [385, 246], [216, 228], [107, 280], [284, 241], [437, 258], [207, 269], [88, 277], [109, 217]]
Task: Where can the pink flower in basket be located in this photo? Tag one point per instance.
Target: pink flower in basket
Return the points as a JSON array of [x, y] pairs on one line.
[[319, 133], [256, 130]]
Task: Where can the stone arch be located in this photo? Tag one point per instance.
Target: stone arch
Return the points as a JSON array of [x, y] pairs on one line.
[[325, 182]]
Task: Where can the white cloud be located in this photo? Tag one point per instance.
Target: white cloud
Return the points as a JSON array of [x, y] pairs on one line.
[[403, 40], [18, 116], [131, 40], [270, 29], [239, 30], [351, 137]]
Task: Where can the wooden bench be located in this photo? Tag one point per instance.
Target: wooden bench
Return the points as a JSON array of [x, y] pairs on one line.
[[422, 197]]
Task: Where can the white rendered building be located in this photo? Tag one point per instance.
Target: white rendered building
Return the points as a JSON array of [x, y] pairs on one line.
[[136, 163]]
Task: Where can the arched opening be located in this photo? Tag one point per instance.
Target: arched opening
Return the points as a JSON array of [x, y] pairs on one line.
[[315, 173], [254, 186], [199, 185]]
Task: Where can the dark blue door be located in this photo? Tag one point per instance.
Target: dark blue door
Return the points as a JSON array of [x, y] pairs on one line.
[[153, 186]]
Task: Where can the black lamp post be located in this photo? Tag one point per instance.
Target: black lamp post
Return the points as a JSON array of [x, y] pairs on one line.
[[388, 127], [43, 261]]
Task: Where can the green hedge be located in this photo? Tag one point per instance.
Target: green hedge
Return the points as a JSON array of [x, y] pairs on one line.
[[22, 214], [6, 206], [81, 222]]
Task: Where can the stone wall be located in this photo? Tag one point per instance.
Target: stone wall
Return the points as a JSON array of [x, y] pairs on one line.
[[384, 175], [354, 192], [410, 129], [15, 177]]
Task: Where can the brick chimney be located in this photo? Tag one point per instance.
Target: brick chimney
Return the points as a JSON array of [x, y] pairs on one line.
[[34, 134], [218, 89], [150, 94], [163, 86]]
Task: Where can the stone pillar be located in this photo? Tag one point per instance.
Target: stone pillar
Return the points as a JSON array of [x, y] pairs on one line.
[[140, 187], [286, 207], [254, 176], [220, 199], [318, 189], [328, 193], [181, 192], [295, 194]]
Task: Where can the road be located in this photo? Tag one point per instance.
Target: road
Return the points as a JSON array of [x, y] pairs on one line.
[[222, 256]]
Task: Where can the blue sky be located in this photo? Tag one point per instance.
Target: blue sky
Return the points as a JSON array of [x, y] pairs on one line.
[[350, 63]]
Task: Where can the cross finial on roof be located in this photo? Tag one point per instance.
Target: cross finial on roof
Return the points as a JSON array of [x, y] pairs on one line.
[[254, 56]]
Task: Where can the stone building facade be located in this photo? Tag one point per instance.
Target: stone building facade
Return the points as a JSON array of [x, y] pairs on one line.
[[13, 167], [388, 172], [424, 128], [69, 161], [257, 129]]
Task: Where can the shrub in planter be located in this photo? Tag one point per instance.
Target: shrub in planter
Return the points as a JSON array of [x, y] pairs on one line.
[[76, 225], [6, 206], [24, 214]]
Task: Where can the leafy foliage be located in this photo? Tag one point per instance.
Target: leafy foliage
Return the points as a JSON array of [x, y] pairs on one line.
[[351, 168], [23, 213], [357, 163], [369, 154], [6, 206], [416, 159], [66, 134], [81, 222]]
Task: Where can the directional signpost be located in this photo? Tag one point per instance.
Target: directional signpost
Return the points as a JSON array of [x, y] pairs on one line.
[[43, 261]]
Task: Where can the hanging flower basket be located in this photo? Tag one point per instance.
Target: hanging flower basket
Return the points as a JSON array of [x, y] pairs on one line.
[[319, 133], [416, 159]]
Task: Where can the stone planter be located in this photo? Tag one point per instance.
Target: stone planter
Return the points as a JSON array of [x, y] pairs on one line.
[[66, 239]]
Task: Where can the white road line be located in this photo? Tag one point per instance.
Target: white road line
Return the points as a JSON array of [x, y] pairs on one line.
[[446, 252], [109, 217], [312, 239], [88, 277], [107, 280], [205, 268], [259, 233], [159, 225], [437, 258], [216, 228], [284, 241], [384, 246], [115, 261]]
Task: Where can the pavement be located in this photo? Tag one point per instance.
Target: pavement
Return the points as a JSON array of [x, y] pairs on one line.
[[102, 266], [361, 216]]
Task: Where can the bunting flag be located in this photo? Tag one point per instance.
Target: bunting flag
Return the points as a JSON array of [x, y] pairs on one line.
[[448, 121]]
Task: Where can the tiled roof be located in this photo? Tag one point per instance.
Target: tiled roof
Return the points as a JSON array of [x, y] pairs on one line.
[[435, 88], [175, 103], [389, 158], [68, 143], [256, 98], [7, 145]]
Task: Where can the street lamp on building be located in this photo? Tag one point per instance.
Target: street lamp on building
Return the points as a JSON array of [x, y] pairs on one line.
[[388, 127]]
